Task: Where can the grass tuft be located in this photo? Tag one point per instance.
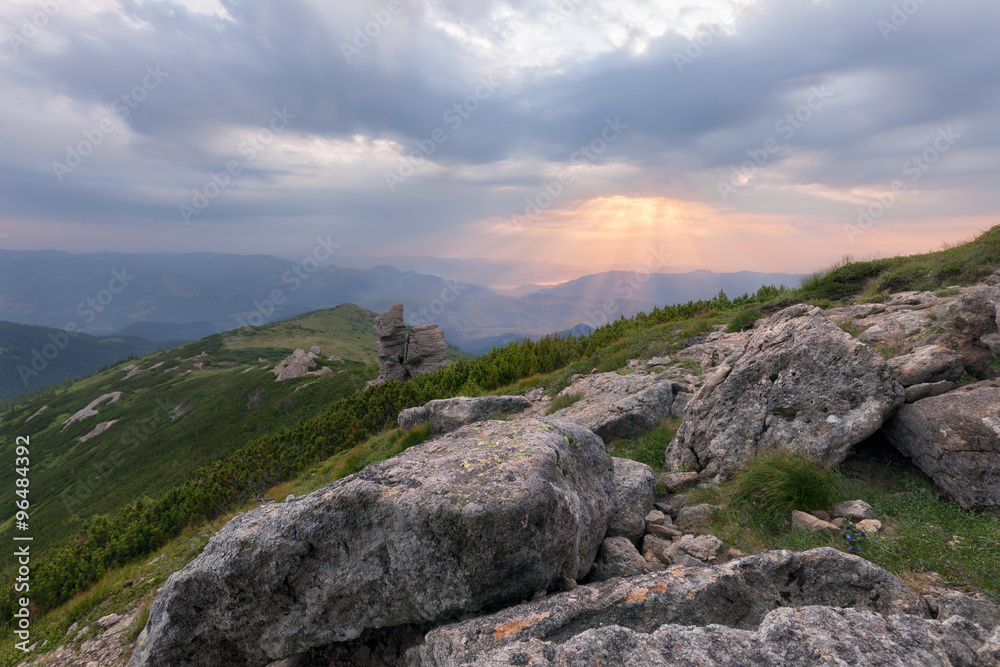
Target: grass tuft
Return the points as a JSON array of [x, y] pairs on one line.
[[778, 481], [563, 401], [648, 448]]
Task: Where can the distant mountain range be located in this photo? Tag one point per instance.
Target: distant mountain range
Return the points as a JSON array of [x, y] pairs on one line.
[[175, 297]]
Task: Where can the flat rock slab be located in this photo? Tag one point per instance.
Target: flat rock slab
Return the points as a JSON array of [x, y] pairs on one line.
[[955, 439], [482, 517], [448, 414], [803, 384], [738, 595], [807, 636], [618, 406]]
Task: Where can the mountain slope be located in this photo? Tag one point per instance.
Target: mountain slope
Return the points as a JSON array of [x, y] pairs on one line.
[[32, 357], [183, 408]]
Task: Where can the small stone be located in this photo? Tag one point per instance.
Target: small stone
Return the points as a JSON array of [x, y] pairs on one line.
[[820, 514], [109, 620], [838, 522], [290, 497], [655, 517], [870, 526], [665, 532], [697, 516], [656, 548], [677, 482], [810, 524], [855, 510]]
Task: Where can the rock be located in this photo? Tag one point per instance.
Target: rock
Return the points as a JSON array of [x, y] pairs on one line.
[[619, 406], [921, 391], [993, 279], [97, 430], [659, 362], [484, 516], [391, 331], [696, 516], [663, 531], [911, 298], [811, 524], [930, 363], [617, 557], [869, 526], [656, 547], [426, 350], [296, 365], [90, 410], [681, 401], [855, 510], [677, 482], [448, 414], [821, 515], [814, 635], [109, 620], [967, 321], [678, 501], [945, 603], [740, 595], [635, 485], [705, 548], [802, 384], [897, 326], [655, 517], [955, 440], [712, 352]]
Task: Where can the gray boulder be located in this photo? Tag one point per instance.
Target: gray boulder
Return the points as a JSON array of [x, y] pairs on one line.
[[814, 635], [448, 414], [968, 321], [426, 350], [855, 510], [927, 364], [618, 406], [955, 439], [704, 548], [716, 349], [635, 486], [391, 331], [479, 518], [802, 384], [617, 557], [945, 603], [918, 392], [739, 595]]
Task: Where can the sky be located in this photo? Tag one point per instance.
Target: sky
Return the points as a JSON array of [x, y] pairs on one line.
[[768, 135]]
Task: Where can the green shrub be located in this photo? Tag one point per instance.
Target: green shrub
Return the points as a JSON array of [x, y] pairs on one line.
[[744, 320], [778, 481], [563, 401]]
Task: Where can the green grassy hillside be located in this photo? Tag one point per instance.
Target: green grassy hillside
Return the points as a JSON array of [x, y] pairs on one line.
[[186, 407], [33, 357]]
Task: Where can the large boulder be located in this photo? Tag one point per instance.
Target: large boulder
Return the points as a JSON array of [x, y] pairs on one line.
[[927, 364], [813, 635], [635, 486], [426, 350], [616, 406], [972, 323], [739, 595], [479, 518], [955, 439], [715, 349], [448, 414], [617, 557], [391, 331], [802, 384]]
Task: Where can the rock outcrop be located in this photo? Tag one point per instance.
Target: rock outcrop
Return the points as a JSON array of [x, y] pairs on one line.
[[955, 439], [812, 635], [972, 323], [926, 365], [616, 406], [738, 595], [402, 356], [635, 486], [299, 364], [802, 384], [448, 414], [478, 518], [90, 410]]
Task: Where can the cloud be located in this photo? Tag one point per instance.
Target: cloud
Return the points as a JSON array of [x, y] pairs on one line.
[[705, 89]]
